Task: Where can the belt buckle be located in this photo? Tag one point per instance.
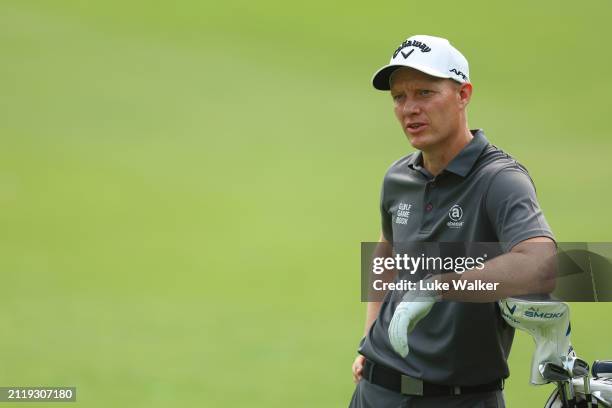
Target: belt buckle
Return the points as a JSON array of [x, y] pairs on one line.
[[411, 386]]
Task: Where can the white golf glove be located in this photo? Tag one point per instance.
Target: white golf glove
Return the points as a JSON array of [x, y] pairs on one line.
[[415, 305]]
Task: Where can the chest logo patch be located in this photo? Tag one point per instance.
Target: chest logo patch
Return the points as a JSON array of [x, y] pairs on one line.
[[403, 213], [455, 214]]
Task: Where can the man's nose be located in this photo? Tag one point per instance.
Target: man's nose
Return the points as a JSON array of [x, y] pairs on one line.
[[411, 107]]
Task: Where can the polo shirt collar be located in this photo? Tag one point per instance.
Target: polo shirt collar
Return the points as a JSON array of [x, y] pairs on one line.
[[415, 161], [464, 161]]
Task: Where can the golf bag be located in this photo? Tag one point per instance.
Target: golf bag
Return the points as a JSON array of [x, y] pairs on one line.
[[554, 359], [600, 394]]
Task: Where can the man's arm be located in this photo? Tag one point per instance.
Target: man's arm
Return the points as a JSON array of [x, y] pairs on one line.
[[529, 268], [372, 310], [371, 313], [383, 249]]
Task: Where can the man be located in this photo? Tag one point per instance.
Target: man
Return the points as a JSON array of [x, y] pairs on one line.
[[456, 187]]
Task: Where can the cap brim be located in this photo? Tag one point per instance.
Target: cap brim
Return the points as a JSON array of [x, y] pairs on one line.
[[380, 80]]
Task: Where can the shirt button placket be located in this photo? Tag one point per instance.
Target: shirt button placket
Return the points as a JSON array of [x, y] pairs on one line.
[[428, 206]]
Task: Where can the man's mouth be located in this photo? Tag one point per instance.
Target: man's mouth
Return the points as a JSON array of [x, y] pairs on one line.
[[416, 127]]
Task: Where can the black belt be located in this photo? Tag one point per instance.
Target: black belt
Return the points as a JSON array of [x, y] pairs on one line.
[[395, 381]]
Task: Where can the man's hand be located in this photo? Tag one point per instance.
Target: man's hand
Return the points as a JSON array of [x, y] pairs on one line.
[[358, 368], [414, 306]]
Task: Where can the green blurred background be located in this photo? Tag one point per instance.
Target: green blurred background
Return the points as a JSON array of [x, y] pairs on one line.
[[184, 185]]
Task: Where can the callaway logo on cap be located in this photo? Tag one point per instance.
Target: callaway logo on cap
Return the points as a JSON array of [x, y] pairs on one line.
[[432, 55]]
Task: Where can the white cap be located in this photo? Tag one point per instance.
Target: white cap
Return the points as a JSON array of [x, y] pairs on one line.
[[432, 55]]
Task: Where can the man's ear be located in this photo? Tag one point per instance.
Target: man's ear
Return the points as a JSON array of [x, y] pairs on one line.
[[464, 94]]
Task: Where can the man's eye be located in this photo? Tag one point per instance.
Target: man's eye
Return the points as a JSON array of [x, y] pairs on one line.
[[397, 97], [424, 92]]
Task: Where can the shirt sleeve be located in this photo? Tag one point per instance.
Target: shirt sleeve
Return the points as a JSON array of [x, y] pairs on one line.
[[385, 217], [513, 209]]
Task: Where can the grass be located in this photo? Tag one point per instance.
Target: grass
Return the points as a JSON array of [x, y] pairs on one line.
[[184, 186]]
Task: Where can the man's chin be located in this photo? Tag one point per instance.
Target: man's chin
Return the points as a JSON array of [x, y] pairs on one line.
[[419, 142]]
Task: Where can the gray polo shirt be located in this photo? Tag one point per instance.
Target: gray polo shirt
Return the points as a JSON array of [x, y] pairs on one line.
[[483, 195]]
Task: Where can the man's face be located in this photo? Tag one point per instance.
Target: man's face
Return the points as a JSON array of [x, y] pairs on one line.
[[429, 109]]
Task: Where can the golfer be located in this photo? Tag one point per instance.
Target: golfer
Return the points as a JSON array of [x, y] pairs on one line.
[[456, 187]]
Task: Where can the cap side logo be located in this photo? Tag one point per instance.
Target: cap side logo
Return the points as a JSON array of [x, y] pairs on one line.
[[457, 72]]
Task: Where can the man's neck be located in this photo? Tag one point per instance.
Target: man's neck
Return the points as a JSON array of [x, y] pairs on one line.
[[436, 159]]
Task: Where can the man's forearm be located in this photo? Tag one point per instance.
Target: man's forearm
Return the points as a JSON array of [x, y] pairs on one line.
[[372, 310], [383, 249], [531, 269]]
